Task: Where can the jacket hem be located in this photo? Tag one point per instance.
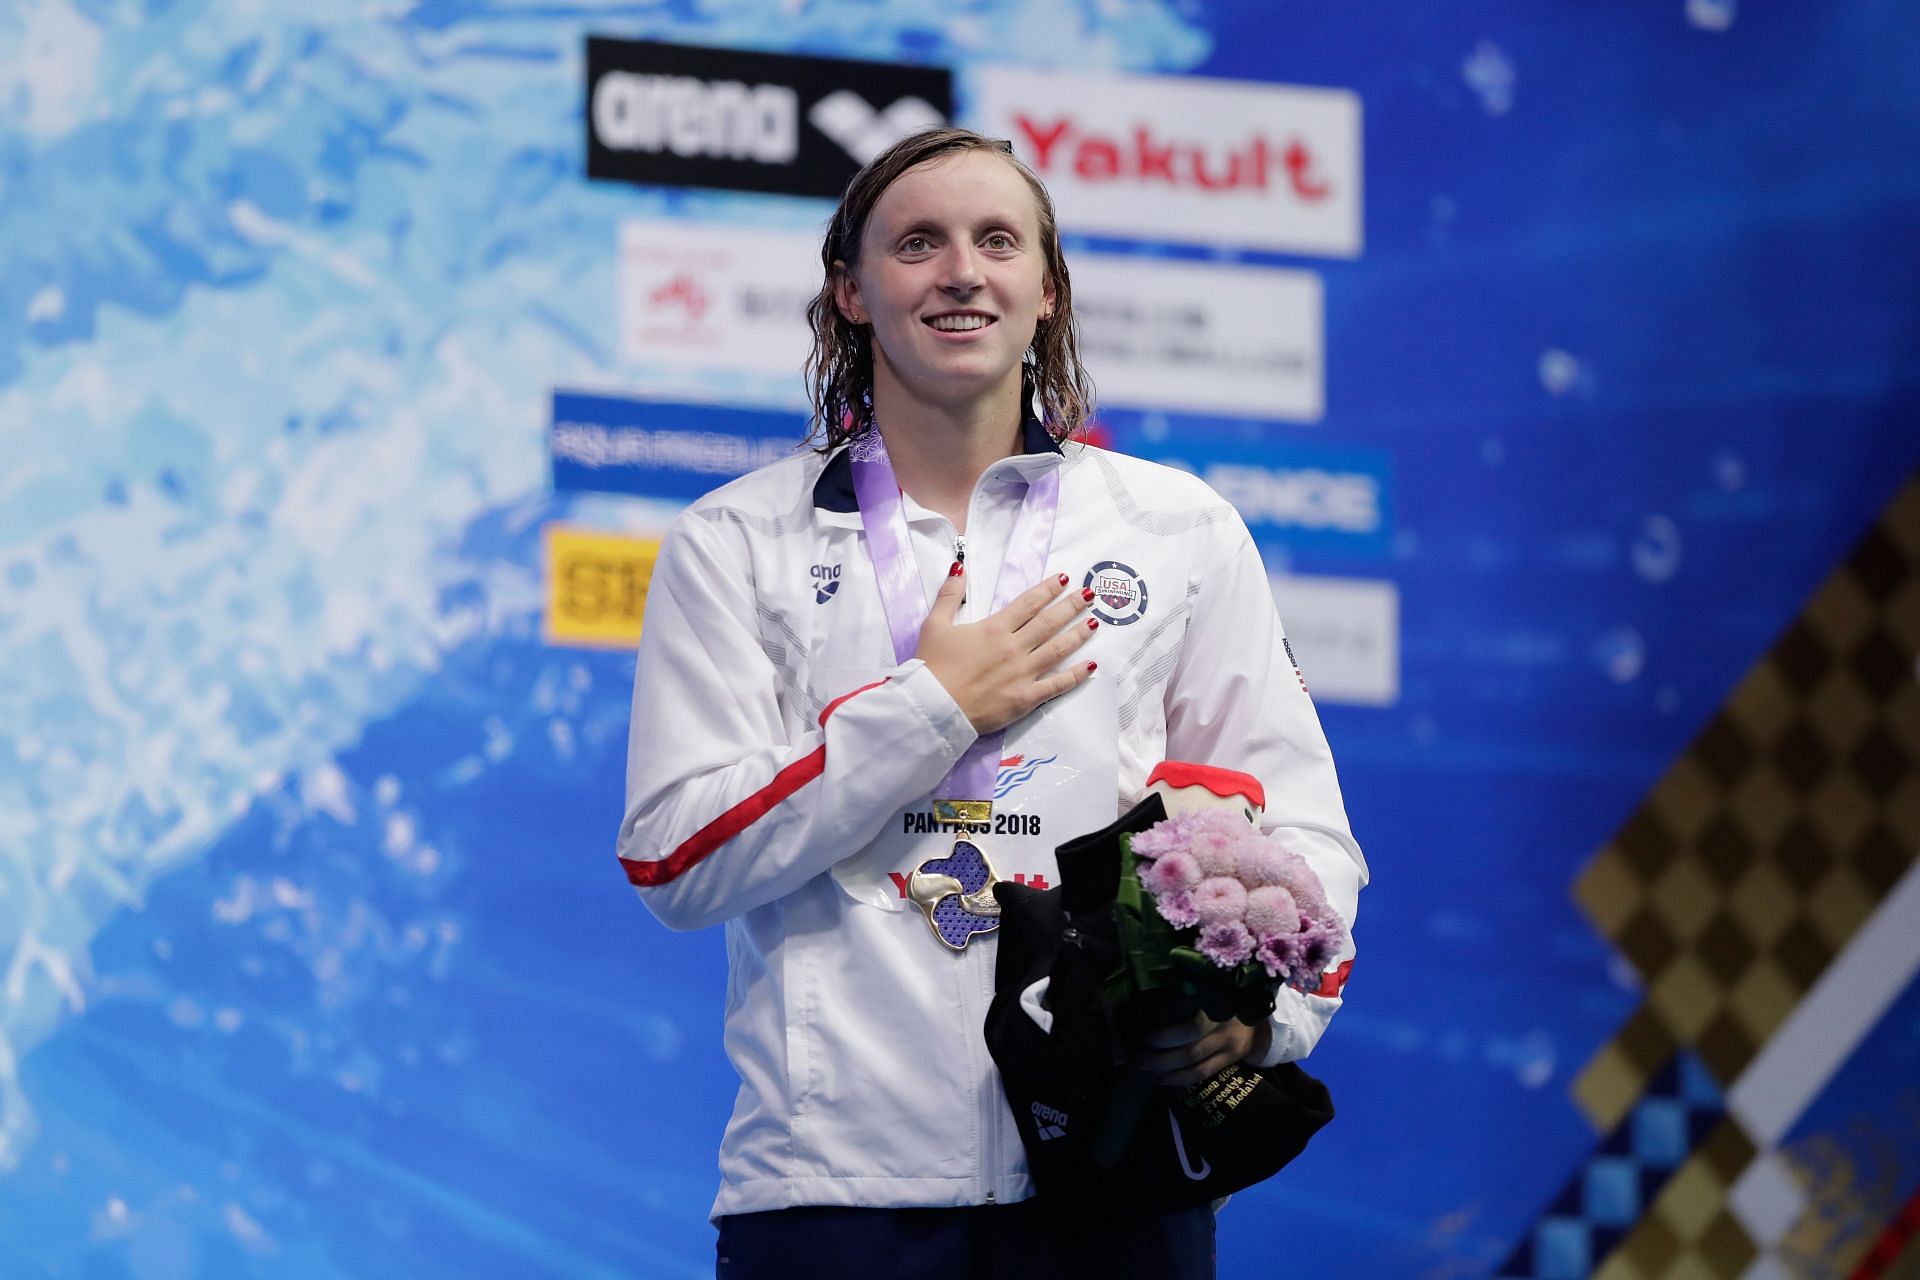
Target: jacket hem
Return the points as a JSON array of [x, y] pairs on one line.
[[762, 1195]]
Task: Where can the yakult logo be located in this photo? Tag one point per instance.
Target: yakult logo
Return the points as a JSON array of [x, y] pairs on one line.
[[1185, 158], [1145, 156]]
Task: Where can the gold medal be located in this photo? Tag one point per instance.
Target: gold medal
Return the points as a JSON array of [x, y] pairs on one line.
[[955, 891]]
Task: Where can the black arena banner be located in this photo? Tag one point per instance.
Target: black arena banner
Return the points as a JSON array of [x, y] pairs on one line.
[[684, 116]]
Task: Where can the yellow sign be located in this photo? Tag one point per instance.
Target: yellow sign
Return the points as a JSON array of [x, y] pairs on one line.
[[596, 587]]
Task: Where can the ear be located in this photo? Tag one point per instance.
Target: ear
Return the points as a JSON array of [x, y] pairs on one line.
[[846, 294], [1047, 298]]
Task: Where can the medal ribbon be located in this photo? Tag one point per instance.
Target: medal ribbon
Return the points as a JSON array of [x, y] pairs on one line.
[[904, 599]]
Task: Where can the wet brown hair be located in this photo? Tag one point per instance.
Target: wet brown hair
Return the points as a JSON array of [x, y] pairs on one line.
[[840, 366]]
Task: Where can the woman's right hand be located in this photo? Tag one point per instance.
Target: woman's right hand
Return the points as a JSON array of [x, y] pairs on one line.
[[1003, 666]]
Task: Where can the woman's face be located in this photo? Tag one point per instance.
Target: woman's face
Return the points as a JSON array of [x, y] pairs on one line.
[[952, 278]]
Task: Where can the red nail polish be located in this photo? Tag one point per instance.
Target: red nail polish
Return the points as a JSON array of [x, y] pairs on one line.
[[1086, 593], [956, 570], [1093, 666], [1093, 624], [1063, 579]]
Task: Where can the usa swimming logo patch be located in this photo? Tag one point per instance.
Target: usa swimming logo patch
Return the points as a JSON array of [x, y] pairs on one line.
[[1121, 591]]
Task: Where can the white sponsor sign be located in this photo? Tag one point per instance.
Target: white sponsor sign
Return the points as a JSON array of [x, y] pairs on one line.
[[714, 297], [1345, 634], [1232, 340], [1180, 158]]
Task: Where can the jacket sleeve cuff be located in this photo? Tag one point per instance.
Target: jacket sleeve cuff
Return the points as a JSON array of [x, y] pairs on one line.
[[1297, 1024]]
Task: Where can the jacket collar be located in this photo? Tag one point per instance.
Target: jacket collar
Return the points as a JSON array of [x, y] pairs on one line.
[[833, 490]]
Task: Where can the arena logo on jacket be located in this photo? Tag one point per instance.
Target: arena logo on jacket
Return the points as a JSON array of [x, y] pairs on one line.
[[1121, 591]]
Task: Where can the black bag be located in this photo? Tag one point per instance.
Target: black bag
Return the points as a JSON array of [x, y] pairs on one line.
[[1191, 1145]]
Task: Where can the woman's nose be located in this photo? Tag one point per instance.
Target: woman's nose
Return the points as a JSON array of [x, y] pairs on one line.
[[960, 268]]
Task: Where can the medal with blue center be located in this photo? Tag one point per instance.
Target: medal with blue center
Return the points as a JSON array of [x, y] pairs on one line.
[[955, 891]]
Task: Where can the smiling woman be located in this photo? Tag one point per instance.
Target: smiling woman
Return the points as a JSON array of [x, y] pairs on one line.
[[1011, 207], [837, 814]]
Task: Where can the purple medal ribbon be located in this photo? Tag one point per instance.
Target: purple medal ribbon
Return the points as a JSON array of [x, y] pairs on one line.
[[904, 599]]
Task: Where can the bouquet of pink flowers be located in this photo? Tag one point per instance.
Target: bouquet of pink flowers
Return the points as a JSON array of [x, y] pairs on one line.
[[1209, 915], [1231, 912], [1207, 902]]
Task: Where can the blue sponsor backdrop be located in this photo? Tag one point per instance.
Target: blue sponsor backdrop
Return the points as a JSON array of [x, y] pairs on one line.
[[660, 449], [314, 958], [1304, 498]]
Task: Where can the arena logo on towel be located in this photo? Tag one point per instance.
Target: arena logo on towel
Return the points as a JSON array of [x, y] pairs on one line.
[[1185, 158], [684, 116]]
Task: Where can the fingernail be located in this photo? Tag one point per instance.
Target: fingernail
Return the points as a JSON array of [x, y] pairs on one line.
[[1093, 624], [1063, 579], [1093, 666], [956, 570], [1086, 593]]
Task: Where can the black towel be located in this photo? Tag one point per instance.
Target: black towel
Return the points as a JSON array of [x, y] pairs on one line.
[[1190, 1145]]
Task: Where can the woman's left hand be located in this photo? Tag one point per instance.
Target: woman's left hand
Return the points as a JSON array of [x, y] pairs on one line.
[[1189, 1051]]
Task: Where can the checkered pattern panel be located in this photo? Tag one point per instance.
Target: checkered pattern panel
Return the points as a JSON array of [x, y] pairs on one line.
[[1677, 1127], [1746, 870], [1758, 855]]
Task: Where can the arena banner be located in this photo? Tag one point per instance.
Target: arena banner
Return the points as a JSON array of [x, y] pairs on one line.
[[1186, 159], [1202, 337], [685, 116], [661, 448]]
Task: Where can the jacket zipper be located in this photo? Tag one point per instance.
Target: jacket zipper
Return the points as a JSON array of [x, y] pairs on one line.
[[990, 1115]]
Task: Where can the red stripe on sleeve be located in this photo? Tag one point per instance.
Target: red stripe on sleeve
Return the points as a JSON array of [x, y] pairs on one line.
[[1334, 980], [648, 875]]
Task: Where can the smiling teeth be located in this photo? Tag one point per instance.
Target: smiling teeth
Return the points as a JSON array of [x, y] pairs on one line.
[[956, 324]]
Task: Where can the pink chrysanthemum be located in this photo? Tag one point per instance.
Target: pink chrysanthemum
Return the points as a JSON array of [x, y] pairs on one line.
[[1278, 954], [1227, 944], [1217, 851], [1184, 833], [1219, 899], [1262, 862], [1177, 909], [1271, 911], [1174, 872]]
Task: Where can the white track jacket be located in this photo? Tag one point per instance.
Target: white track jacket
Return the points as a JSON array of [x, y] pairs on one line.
[[778, 760]]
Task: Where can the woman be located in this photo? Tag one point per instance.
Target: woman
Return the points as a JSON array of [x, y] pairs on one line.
[[917, 614]]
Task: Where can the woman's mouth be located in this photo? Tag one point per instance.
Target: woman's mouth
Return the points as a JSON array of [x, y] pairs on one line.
[[959, 324]]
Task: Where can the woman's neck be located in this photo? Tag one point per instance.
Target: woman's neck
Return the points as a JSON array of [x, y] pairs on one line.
[[939, 452]]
